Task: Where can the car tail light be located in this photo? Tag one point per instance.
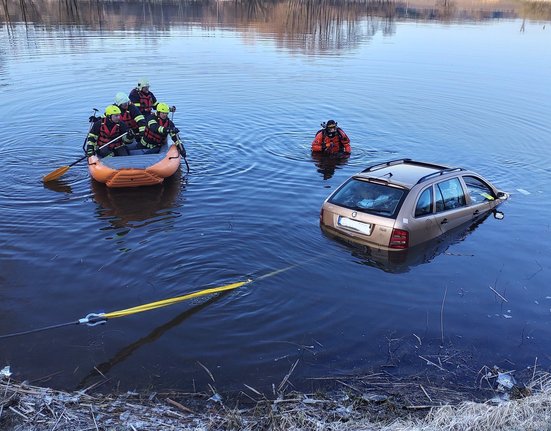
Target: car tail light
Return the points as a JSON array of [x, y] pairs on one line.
[[399, 239]]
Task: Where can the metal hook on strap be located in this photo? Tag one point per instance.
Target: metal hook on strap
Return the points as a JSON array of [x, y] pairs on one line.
[[93, 319]]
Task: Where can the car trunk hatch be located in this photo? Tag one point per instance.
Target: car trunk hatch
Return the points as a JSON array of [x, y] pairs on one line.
[[367, 228]]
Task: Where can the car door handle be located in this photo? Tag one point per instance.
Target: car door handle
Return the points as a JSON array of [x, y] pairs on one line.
[[476, 213], [444, 221]]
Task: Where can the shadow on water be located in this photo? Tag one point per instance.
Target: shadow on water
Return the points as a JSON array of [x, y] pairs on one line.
[[127, 351], [403, 261], [327, 163], [134, 207]]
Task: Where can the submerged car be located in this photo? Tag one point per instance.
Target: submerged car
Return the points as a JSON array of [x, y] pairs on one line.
[[401, 261], [402, 203]]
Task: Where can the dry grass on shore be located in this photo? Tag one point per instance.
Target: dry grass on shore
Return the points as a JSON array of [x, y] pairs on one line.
[[355, 406]]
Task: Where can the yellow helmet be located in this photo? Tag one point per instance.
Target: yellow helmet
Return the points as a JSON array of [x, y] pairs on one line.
[[112, 110], [163, 107]]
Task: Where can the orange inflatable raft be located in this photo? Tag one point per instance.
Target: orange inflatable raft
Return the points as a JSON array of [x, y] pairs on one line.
[[137, 169]]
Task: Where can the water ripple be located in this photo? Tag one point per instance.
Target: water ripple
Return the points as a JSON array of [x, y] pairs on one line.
[[248, 107]]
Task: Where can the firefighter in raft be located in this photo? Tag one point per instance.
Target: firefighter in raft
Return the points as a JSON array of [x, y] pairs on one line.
[[157, 129], [130, 115], [105, 130], [331, 140], [144, 99]]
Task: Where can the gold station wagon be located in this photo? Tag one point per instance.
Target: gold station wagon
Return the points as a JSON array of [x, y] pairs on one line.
[[401, 203]]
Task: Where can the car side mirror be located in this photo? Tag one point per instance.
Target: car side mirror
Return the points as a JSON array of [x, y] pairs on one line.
[[501, 195], [498, 215]]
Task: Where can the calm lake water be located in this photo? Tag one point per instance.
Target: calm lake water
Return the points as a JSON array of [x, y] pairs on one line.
[[467, 86]]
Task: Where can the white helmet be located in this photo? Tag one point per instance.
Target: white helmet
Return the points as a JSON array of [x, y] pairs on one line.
[[144, 82], [121, 98]]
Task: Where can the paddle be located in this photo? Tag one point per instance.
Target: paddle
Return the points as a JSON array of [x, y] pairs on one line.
[[60, 171], [180, 149], [91, 120]]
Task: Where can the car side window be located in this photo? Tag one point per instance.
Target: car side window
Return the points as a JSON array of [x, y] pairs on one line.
[[479, 191], [424, 203], [449, 195]]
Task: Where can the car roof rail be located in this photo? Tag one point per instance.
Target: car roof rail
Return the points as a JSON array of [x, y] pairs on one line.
[[386, 164], [438, 173], [403, 161]]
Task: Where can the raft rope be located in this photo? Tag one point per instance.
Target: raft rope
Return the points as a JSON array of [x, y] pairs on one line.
[[93, 319]]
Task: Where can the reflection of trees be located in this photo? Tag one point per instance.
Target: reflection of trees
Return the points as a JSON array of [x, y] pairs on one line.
[[536, 10], [446, 9], [310, 25], [327, 24], [319, 17]]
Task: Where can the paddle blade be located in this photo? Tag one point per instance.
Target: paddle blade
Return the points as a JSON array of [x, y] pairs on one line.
[[55, 174]]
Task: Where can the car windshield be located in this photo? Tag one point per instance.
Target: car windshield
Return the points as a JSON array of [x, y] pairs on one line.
[[368, 197]]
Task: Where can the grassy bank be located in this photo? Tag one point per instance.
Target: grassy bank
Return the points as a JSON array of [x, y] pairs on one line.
[[373, 402]]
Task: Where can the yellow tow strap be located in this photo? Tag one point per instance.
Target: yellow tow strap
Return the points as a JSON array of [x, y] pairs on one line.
[[93, 319], [170, 301]]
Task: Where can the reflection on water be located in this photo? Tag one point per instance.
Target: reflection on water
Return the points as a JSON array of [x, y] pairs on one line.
[[59, 185], [136, 207], [327, 163], [247, 100], [403, 261], [291, 17], [127, 351], [313, 26]]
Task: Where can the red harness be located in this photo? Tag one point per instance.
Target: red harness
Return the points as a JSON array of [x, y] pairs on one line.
[[106, 135], [128, 120], [154, 137], [146, 102]]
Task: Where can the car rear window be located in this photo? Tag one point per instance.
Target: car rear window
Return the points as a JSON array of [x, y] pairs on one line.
[[368, 197]]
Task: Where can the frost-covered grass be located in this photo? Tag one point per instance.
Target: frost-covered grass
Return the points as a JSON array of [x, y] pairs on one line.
[[359, 404]]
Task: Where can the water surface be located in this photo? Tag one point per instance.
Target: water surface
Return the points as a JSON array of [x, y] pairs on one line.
[[459, 85]]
